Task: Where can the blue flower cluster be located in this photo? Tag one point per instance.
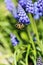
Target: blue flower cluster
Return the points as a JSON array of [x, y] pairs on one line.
[[36, 11], [38, 8], [23, 18], [39, 61], [22, 3], [40, 4], [35, 8], [14, 40], [10, 6], [29, 6], [18, 12]]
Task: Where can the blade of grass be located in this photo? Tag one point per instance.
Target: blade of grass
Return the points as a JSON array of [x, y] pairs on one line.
[[34, 27]]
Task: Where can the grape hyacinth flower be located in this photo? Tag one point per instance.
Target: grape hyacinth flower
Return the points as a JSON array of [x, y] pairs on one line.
[[36, 11], [39, 61], [36, 17], [23, 18], [42, 8], [39, 5], [14, 40], [17, 12], [11, 7], [29, 6], [22, 3]]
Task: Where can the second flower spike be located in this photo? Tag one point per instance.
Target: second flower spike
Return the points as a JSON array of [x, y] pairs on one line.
[[14, 39], [11, 7], [17, 12], [23, 18]]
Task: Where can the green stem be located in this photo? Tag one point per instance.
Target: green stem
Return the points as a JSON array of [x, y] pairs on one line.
[[35, 63], [32, 42], [34, 27], [33, 24], [22, 62], [27, 54], [15, 62]]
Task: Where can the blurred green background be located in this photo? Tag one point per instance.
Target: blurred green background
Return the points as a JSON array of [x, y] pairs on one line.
[[27, 49]]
